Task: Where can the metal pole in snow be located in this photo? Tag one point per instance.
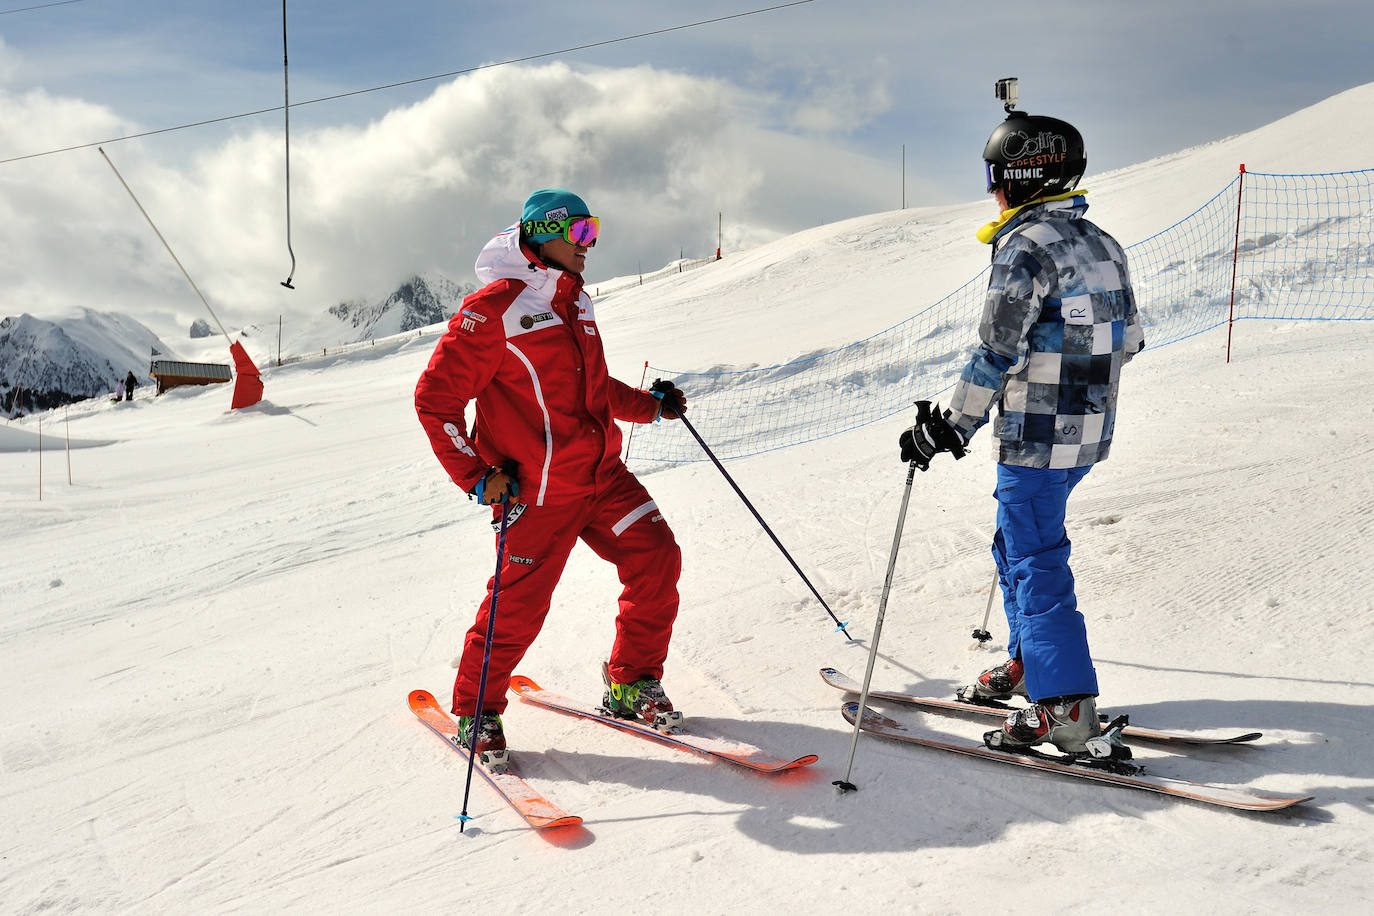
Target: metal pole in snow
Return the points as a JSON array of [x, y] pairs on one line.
[[630, 439], [1235, 257], [844, 785]]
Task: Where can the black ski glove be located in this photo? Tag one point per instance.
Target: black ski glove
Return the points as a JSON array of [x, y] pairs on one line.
[[672, 402], [930, 436]]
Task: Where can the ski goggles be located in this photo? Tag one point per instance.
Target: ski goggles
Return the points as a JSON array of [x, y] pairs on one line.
[[988, 167], [576, 230]]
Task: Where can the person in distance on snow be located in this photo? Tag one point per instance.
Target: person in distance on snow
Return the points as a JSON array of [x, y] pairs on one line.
[[1059, 321], [130, 383], [545, 449]]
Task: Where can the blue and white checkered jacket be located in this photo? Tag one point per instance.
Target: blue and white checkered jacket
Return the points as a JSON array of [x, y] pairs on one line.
[[1058, 324]]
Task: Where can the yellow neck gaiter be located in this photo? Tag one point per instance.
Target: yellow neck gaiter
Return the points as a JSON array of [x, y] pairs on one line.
[[989, 232]]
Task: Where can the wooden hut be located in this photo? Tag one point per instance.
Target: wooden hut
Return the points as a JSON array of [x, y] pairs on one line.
[[173, 374]]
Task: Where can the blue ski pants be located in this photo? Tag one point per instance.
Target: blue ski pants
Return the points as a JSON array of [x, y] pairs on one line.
[[1031, 549]]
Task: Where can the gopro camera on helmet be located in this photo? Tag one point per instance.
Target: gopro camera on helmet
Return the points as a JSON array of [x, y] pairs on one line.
[[1006, 92], [1031, 156]]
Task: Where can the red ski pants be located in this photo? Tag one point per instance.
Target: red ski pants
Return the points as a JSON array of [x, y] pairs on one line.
[[622, 525]]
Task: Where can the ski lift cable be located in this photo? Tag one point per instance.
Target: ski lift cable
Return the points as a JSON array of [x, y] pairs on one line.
[[410, 82], [41, 6]]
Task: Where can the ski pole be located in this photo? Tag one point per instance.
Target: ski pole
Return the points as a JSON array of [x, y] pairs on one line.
[[661, 385], [486, 662], [844, 785], [981, 633]]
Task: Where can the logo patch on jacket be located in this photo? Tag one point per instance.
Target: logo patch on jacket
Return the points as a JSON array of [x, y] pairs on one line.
[[523, 561], [470, 320], [456, 437], [512, 516], [529, 321]]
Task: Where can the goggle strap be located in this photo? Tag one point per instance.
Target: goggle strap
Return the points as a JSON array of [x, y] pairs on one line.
[[587, 229]]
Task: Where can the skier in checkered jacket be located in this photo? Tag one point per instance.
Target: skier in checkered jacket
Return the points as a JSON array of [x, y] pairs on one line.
[[1058, 324]]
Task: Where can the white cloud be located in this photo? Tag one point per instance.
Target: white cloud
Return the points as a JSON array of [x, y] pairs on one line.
[[10, 61], [658, 155]]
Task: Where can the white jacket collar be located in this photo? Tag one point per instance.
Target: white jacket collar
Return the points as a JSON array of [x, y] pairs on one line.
[[503, 259]]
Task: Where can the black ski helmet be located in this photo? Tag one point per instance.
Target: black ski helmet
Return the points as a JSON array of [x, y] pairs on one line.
[[1030, 156]]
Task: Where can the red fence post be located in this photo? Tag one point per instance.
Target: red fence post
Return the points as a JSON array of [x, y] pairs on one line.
[[1235, 256], [631, 438]]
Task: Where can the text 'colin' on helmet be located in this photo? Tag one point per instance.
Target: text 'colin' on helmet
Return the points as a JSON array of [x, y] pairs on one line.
[[1031, 156]]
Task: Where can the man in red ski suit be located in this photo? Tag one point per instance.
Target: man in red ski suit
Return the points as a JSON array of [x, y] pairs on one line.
[[545, 448]]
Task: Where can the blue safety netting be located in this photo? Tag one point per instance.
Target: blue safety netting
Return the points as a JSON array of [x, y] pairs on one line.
[[1299, 246]]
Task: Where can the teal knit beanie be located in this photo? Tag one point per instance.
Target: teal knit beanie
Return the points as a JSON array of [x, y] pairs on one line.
[[551, 204]]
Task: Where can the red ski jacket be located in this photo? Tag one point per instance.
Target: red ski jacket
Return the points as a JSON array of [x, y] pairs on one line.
[[527, 348]]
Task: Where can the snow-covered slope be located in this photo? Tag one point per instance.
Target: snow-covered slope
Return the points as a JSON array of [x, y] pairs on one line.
[[209, 634]]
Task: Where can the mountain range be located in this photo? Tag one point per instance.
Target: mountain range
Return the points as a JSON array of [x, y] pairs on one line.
[[416, 303], [45, 363]]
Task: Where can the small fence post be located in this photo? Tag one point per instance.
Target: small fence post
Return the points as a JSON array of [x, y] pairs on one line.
[[1235, 256], [631, 438]]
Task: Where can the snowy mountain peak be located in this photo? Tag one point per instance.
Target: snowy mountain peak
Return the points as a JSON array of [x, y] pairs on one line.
[[55, 362], [46, 363], [418, 302]]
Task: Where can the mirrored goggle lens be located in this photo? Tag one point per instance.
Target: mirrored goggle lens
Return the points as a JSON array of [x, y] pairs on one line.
[[988, 167], [582, 230]]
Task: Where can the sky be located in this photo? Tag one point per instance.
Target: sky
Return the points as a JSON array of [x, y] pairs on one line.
[[211, 622], [730, 133]]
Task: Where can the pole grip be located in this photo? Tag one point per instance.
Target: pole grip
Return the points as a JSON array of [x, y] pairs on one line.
[[663, 386]]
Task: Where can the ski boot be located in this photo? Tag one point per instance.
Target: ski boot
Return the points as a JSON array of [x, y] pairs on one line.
[[491, 741], [1066, 722], [998, 683], [642, 699]]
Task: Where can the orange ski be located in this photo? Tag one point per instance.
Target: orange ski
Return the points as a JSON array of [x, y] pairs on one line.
[[533, 807], [735, 752]]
